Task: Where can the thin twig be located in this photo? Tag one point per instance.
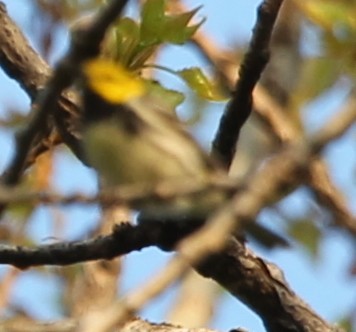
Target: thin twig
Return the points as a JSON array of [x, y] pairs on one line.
[[124, 239]]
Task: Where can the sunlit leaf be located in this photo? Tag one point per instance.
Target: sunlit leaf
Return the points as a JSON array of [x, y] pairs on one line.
[[158, 27], [152, 21], [200, 84], [132, 43], [177, 30]]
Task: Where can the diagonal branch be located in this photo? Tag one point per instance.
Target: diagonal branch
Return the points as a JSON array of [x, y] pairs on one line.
[[254, 62], [18, 59], [22, 63]]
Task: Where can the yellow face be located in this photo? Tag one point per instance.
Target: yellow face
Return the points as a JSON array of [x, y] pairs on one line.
[[111, 81]]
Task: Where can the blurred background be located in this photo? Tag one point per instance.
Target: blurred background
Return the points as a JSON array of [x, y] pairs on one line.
[[310, 76]]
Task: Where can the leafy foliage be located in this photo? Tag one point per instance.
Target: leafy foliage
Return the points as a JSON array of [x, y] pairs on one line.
[[200, 84], [132, 43]]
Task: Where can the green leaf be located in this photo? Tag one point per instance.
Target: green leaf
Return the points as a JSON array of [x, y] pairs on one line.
[[307, 234], [176, 29], [201, 85], [157, 27], [127, 37], [132, 43], [152, 21]]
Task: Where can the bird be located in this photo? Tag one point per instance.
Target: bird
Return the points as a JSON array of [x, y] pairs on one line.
[[130, 139]]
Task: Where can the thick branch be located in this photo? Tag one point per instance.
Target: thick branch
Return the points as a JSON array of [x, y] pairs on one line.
[[21, 324], [248, 276]]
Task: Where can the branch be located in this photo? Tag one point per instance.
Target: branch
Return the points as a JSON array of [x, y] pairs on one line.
[[124, 239], [249, 277], [255, 60], [22, 63], [20, 324], [18, 59], [209, 239]]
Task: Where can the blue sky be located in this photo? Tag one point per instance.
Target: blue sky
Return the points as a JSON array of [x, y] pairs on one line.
[[323, 284]]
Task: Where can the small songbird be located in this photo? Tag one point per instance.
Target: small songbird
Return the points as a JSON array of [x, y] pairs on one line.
[[129, 139]]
